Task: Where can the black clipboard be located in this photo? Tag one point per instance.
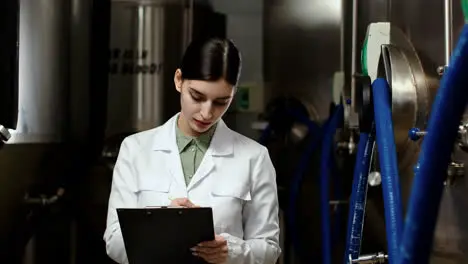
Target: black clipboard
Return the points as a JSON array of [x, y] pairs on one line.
[[165, 234]]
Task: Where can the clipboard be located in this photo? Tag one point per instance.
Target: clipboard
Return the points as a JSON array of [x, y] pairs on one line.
[[164, 234]]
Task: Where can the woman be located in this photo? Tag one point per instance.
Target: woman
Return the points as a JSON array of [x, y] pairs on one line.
[[195, 159]]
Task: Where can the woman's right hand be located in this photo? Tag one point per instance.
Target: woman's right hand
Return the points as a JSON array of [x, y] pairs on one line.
[[183, 202]]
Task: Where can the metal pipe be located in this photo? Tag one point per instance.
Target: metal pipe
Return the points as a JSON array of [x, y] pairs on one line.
[[354, 44], [448, 28], [343, 35], [352, 118], [190, 26], [378, 258], [448, 108], [389, 167], [187, 31]]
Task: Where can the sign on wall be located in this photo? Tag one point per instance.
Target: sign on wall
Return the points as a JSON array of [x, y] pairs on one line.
[[131, 62]]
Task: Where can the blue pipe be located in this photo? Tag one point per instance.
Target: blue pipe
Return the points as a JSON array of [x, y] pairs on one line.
[[427, 187], [389, 167], [357, 205], [327, 155]]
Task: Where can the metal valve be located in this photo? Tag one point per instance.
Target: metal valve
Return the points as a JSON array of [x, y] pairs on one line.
[[415, 134], [4, 134], [441, 70], [350, 145], [378, 258]]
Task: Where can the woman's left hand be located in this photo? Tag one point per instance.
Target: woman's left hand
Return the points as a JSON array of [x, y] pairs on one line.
[[215, 252]]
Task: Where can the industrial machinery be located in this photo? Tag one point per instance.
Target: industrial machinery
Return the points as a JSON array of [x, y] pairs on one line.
[[412, 96], [397, 46]]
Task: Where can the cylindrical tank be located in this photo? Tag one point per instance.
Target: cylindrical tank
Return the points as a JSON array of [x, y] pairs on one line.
[[135, 95], [9, 64], [53, 45], [43, 70], [147, 40]]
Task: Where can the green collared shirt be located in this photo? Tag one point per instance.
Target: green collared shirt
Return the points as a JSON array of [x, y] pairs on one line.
[[192, 150]]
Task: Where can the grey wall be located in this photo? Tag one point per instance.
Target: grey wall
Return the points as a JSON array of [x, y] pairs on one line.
[[245, 28]]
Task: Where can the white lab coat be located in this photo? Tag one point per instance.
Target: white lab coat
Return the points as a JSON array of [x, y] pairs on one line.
[[236, 178]]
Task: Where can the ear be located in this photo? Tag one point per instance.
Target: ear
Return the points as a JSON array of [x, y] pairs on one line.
[[178, 80]]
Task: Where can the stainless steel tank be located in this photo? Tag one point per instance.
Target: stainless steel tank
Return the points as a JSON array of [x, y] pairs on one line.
[[147, 40], [52, 107], [302, 50], [146, 43], [8, 67], [43, 75], [136, 65]]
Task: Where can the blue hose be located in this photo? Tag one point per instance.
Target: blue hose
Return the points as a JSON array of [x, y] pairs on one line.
[[327, 155], [339, 196], [427, 186], [389, 167], [298, 177], [313, 129], [357, 205]]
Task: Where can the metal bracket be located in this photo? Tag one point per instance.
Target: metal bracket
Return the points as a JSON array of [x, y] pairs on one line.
[[441, 70], [349, 145], [416, 134], [43, 200], [4, 134], [364, 102], [378, 258]]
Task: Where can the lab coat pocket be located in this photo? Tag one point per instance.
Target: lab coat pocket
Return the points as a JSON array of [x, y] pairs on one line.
[[227, 202], [153, 191], [239, 191]]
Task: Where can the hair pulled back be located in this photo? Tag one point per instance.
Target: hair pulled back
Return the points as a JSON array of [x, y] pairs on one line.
[[212, 59]]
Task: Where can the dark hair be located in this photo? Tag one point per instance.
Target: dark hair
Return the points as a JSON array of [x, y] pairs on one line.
[[211, 60]]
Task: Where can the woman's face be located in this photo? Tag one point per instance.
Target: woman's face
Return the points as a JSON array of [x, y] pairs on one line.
[[202, 103]]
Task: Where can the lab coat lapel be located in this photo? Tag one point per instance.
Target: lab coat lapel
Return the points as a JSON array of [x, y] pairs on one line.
[[222, 144], [165, 141], [206, 166]]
